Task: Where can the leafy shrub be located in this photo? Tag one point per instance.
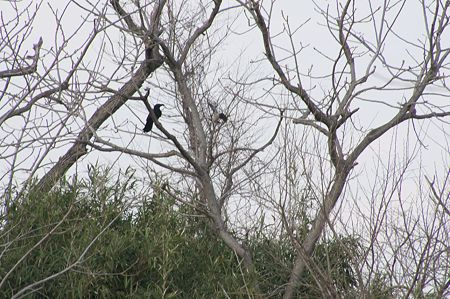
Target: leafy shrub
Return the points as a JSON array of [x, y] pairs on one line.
[[101, 238]]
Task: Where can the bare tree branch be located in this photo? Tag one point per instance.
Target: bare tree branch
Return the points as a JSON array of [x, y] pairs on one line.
[[24, 70]]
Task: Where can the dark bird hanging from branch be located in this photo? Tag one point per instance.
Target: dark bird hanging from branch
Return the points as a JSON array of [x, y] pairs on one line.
[[149, 124]]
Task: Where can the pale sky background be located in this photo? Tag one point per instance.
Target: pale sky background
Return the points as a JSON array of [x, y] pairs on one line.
[[313, 35]]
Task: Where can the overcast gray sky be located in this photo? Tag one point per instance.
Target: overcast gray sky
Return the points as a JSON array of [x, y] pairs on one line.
[[316, 39]]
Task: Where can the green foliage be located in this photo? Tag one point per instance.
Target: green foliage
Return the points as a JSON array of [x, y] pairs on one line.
[[105, 239], [274, 260], [379, 287], [135, 246]]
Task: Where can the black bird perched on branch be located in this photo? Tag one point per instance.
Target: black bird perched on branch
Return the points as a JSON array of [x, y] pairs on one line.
[[149, 124], [223, 117]]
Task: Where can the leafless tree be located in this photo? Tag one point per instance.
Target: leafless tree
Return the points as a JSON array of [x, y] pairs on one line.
[[221, 144], [353, 67], [46, 89], [212, 151], [208, 144], [26, 86]]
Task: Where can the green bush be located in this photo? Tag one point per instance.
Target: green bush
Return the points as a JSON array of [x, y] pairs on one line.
[[135, 247], [105, 239]]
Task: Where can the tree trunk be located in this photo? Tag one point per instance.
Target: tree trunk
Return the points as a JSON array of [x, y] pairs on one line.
[[79, 148]]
